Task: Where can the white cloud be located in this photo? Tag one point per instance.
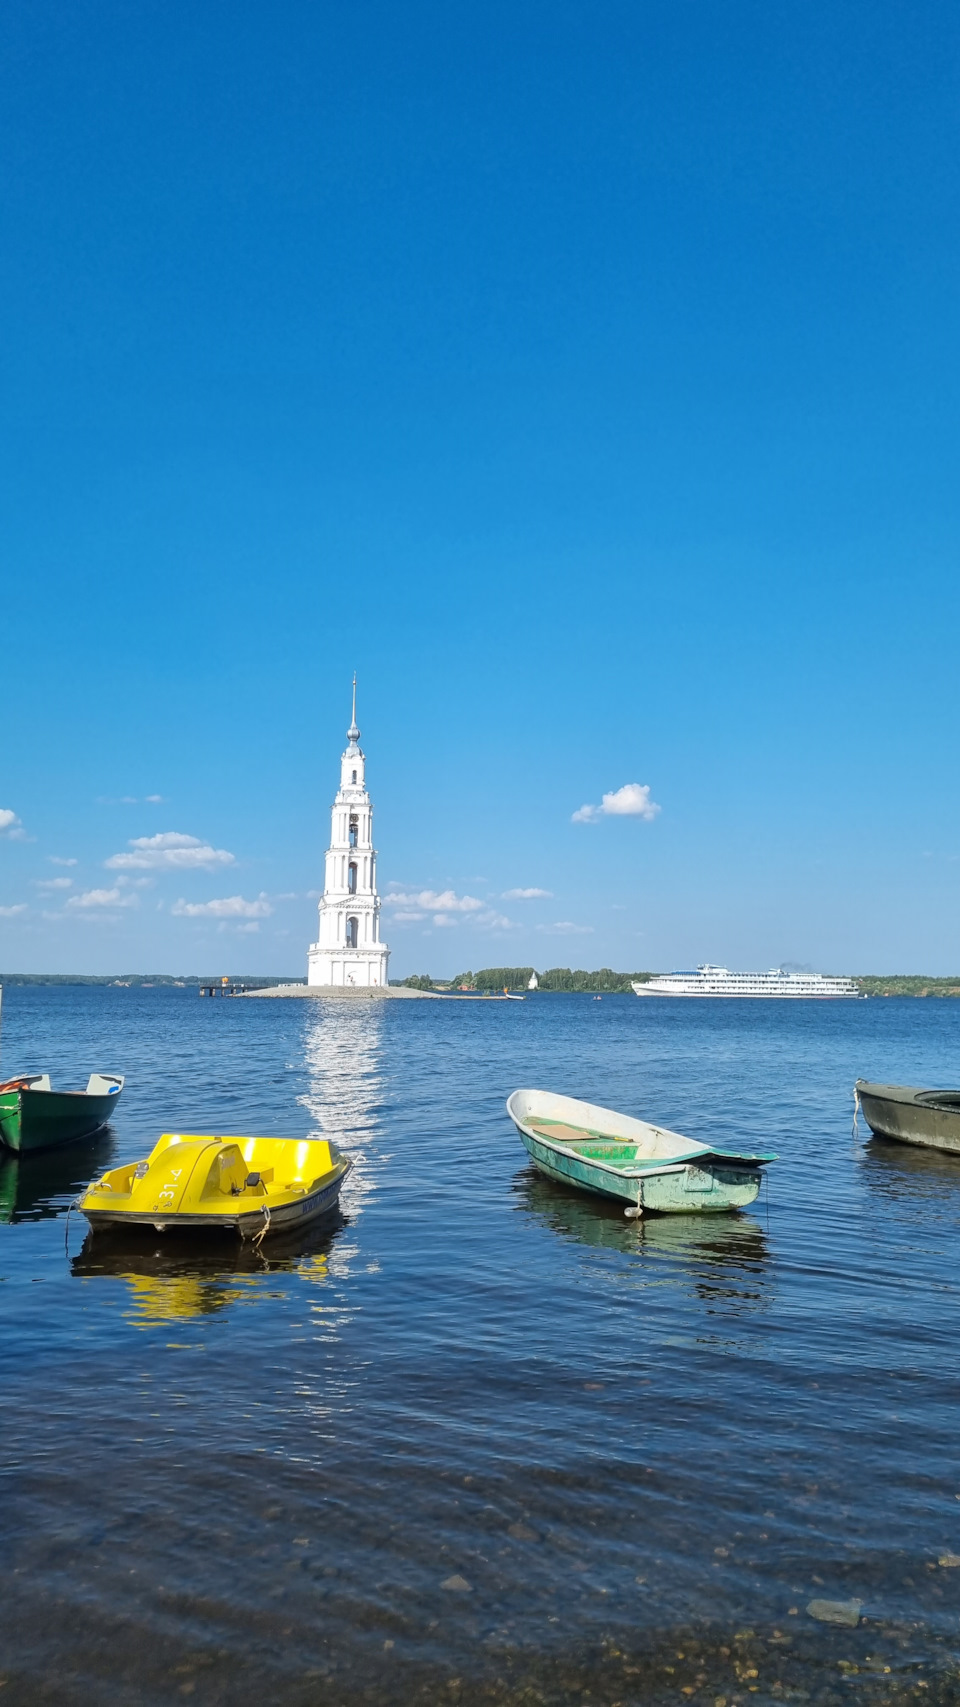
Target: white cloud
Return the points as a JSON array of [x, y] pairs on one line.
[[103, 898], [228, 907], [430, 901], [413, 910], [630, 801], [169, 851], [493, 921], [53, 883], [154, 799], [565, 927], [10, 826], [11, 912], [55, 861], [528, 895]]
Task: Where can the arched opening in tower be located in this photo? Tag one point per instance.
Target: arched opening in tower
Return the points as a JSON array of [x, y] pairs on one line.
[[352, 928], [352, 878]]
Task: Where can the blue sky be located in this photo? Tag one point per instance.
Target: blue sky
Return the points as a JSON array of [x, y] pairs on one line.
[[586, 378]]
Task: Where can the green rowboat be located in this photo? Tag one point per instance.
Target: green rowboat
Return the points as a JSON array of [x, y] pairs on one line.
[[33, 1116], [647, 1167]]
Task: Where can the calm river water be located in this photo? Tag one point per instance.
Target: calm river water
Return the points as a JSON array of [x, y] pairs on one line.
[[484, 1440]]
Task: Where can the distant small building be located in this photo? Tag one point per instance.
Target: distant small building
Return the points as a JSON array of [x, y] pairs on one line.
[[533, 982], [348, 951]]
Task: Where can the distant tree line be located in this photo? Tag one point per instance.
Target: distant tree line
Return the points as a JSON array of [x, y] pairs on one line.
[[603, 982], [598, 983], [187, 980], [909, 986]]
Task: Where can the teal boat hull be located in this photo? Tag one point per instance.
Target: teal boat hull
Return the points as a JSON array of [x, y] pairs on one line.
[[707, 1186]]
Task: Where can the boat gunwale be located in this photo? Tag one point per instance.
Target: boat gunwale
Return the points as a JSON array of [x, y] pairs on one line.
[[637, 1170], [27, 1084], [908, 1096], [640, 1170]]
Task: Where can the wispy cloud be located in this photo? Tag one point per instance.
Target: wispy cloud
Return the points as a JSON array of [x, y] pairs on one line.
[[10, 826], [488, 920], [169, 851], [11, 912], [630, 801], [55, 861], [129, 800], [430, 901], [97, 899], [227, 907], [53, 883], [491, 920], [566, 927], [447, 910], [527, 895]]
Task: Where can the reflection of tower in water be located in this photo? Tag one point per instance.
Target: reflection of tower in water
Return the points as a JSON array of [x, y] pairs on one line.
[[343, 1041]]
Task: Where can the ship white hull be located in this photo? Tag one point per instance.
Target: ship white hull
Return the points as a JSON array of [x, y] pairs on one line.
[[715, 983], [748, 995]]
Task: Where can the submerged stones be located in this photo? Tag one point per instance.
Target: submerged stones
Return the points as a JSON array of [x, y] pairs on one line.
[[836, 1611]]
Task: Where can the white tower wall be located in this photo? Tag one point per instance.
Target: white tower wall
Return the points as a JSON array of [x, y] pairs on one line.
[[348, 952]]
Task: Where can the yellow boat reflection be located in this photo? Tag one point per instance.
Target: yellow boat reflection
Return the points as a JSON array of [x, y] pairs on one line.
[[179, 1282]]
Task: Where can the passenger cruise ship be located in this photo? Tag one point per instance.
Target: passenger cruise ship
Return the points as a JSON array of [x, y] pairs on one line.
[[717, 981]]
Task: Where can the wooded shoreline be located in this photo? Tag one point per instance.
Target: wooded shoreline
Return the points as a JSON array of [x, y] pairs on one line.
[[558, 981]]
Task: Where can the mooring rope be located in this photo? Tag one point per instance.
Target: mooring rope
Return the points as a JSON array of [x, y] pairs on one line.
[[259, 1237], [66, 1226]]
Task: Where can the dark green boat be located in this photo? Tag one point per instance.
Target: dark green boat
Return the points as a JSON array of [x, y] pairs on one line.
[[910, 1114], [33, 1116]]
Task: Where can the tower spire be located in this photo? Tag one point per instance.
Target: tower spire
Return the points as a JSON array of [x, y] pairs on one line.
[[353, 733]]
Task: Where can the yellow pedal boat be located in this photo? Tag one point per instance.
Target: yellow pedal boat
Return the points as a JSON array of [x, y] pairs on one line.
[[247, 1186]]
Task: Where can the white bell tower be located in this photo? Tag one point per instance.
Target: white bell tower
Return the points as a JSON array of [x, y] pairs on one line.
[[348, 952]]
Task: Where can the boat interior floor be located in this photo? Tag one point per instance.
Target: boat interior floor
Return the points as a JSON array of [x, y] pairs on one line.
[[600, 1145]]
